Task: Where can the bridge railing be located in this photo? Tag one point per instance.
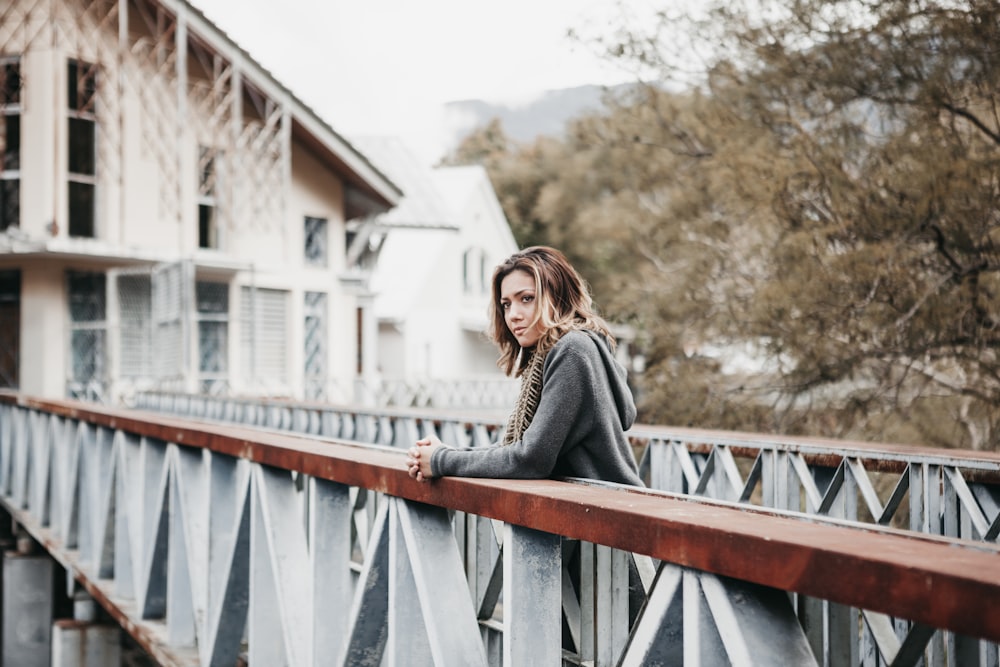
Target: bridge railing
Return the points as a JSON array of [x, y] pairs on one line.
[[954, 493], [206, 541]]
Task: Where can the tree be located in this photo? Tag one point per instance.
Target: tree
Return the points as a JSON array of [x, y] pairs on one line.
[[620, 196], [517, 179], [822, 201], [857, 144]]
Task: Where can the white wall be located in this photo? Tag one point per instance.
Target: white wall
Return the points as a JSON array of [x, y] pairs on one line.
[[44, 331]]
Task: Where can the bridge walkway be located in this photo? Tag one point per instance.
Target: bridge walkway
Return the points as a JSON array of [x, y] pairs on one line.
[[211, 543]]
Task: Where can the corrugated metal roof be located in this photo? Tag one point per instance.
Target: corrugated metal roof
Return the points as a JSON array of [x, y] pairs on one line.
[[419, 228], [423, 204]]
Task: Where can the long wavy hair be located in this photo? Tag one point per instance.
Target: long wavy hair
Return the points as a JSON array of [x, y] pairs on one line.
[[563, 303]]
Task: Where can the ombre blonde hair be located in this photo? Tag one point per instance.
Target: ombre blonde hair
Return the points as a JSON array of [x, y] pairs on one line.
[[563, 303]]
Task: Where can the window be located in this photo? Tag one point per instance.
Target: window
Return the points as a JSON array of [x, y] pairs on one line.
[[171, 323], [87, 300], [350, 234], [316, 241], [360, 333], [208, 233], [474, 271], [10, 328], [10, 142], [467, 270], [82, 154], [315, 344], [213, 336], [263, 332], [135, 306]]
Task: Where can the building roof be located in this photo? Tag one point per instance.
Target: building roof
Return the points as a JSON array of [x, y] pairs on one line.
[[369, 190], [423, 204], [417, 229], [459, 184]]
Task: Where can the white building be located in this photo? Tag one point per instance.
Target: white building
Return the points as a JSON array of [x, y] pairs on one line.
[[431, 284], [170, 215]]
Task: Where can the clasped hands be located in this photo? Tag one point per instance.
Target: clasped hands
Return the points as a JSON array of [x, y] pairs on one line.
[[418, 458]]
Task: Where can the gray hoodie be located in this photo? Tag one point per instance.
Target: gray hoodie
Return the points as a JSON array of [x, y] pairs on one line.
[[578, 429]]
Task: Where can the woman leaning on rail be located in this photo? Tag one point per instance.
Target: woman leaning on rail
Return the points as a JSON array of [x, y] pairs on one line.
[[574, 405]]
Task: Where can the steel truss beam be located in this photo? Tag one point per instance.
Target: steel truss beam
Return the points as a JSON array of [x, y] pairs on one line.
[[947, 493]]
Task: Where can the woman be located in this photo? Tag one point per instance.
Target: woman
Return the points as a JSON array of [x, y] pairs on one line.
[[574, 405]]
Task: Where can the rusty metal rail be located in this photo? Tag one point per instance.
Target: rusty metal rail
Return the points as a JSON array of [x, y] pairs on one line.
[[954, 493], [212, 528]]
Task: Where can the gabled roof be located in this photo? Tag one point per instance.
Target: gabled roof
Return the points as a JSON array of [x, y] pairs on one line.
[[368, 189], [422, 205], [459, 184]]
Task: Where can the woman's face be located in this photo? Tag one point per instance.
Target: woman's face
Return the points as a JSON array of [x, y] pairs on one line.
[[517, 299]]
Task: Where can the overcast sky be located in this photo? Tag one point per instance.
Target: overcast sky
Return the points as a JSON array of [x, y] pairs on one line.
[[388, 66]]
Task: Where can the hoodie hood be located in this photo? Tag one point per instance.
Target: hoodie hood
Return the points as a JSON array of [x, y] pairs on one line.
[[618, 381]]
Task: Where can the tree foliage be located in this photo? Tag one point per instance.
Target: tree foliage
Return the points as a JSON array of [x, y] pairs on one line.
[[806, 236]]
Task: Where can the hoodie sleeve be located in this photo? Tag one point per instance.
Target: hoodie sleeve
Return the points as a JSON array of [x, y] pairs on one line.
[[569, 384]]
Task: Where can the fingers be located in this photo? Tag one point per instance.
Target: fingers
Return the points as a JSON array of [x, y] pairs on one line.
[[413, 464], [418, 462]]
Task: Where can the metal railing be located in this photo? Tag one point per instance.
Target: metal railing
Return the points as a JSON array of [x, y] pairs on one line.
[[209, 540], [954, 493]]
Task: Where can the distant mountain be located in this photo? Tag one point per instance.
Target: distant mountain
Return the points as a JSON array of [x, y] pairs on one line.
[[545, 116]]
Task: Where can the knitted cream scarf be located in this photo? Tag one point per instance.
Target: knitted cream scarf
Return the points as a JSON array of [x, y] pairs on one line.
[[527, 398]]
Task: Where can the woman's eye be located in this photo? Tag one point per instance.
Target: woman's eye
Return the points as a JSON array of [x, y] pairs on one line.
[[527, 298]]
